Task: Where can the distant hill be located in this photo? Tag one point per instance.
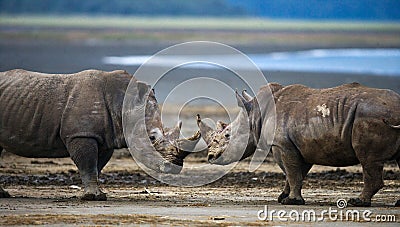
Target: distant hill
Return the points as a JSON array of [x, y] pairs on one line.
[[322, 9], [122, 7], [291, 9]]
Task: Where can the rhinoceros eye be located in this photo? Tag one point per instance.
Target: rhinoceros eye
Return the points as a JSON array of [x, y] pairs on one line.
[[227, 135], [152, 138]]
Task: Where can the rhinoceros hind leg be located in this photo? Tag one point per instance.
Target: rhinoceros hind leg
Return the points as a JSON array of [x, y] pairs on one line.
[[3, 193], [357, 202], [286, 190], [398, 201], [373, 182], [84, 153]]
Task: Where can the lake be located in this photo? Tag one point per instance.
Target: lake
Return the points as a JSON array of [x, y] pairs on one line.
[[385, 62]]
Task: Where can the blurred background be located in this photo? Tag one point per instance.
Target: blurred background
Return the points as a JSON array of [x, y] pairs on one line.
[[319, 43]]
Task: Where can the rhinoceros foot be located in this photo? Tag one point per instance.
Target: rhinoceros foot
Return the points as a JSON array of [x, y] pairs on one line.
[[397, 203], [94, 197], [4, 194], [359, 203], [282, 196], [294, 201]]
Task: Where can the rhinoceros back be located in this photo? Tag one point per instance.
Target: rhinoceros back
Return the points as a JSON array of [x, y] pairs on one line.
[[326, 125], [39, 113], [31, 105]]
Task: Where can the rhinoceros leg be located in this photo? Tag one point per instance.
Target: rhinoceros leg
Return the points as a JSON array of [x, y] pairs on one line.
[[398, 201], [296, 170], [84, 153], [3, 193], [286, 190], [373, 181], [104, 157], [295, 183]]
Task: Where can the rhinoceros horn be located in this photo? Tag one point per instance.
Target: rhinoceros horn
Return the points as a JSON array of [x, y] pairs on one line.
[[184, 144], [187, 145], [153, 145], [174, 150], [246, 95], [205, 130]]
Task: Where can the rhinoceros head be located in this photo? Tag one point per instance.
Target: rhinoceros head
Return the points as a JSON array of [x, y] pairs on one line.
[[158, 148], [172, 148], [230, 142]]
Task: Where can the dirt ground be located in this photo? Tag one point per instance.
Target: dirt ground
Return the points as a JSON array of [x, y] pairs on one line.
[[46, 191]]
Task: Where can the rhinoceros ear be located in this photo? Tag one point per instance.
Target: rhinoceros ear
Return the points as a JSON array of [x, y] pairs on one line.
[[247, 105], [173, 134], [143, 90], [275, 87], [221, 125]]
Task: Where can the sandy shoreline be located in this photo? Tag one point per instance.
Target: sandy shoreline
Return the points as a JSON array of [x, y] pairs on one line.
[[46, 192]]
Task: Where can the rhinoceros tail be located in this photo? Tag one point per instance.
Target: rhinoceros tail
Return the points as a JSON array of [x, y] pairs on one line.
[[390, 125]]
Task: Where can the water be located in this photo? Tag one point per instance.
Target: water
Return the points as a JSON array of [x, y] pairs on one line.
[[385, 62]]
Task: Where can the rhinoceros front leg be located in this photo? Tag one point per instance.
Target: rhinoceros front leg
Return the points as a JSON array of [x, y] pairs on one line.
[[294, 177], [285, 192], [296, 170], [84, 153], [104, 157], [373, 181]]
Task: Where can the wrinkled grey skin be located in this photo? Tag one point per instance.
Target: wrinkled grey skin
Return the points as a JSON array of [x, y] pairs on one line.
[[74, 115], [340, 126]]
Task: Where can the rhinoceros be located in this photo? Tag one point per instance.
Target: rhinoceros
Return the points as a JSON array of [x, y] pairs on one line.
[[340, 126], [79, 116]]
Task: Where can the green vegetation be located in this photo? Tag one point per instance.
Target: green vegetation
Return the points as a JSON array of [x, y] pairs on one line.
[[193, 23], [181, 29]]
